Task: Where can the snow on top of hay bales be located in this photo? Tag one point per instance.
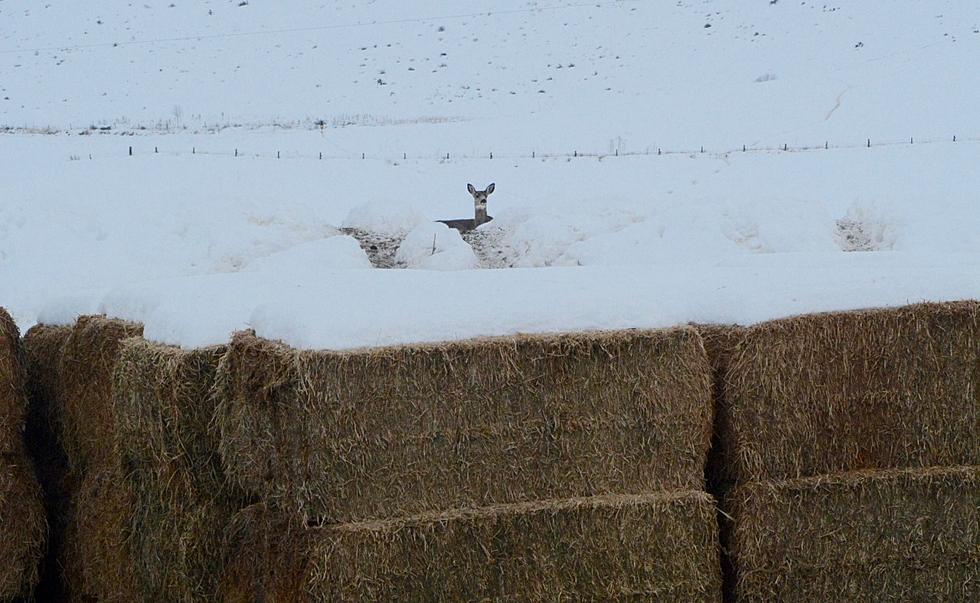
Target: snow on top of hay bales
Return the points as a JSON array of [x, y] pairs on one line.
[[342, 436], [659, 546], [876, 389], [895, 535], [348, 309]]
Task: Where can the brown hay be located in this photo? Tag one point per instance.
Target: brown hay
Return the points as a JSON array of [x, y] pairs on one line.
[[896, 535], [400, 431], [163, 408], [43, 347], [13, 401], [610, 548], [875, 389], [22, 527], [88, 359], [98, 561]]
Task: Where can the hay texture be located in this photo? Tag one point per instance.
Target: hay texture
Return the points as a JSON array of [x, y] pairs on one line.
[[13, 378], [98, 564], [610, 548], [895, 535], [43, 345], [87, 363], [22, 528], [182, 503], [399, 431], [877, 389]]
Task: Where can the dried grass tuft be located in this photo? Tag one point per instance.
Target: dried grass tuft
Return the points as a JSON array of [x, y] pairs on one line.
[[894, 535], [608, 548], [163, 410], [875, 389], [23, 528], [399, 431]]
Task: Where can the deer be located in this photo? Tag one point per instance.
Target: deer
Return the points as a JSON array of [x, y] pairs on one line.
[[480, 215]]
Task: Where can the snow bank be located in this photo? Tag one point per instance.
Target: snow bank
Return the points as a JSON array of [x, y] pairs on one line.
[[384, 217], [435, 246], [338, 252]]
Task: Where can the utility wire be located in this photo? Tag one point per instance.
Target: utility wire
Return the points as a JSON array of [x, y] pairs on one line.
[[267, 32]]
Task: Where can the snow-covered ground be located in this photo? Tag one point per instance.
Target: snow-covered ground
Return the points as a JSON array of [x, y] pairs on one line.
[[226, 217]]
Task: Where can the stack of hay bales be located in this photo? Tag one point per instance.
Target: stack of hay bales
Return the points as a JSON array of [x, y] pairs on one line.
[[522, 468], [853, 441], [139, 496], [88, 501], [22, 523]]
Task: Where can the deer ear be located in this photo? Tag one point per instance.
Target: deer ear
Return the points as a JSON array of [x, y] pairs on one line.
[[490, 188], [470, 188]]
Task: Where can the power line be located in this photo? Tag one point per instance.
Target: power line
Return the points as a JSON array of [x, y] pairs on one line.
[[267, 32]]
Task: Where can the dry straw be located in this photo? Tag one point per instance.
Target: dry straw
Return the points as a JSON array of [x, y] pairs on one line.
[[87, 363], [13, 404], [163, 407], [90, 501], [895, 535], [875, 389], [43, 345], [399, 431], [22, 527], [609, 548]]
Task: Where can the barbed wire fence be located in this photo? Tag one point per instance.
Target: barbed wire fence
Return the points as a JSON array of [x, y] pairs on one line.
[[701, 150]]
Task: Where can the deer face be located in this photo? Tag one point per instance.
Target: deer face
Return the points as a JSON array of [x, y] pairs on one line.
[[480, 197]]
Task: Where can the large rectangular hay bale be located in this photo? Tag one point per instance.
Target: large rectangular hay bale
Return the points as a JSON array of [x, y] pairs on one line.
[[22, 528], [875, 389], [609, 548], [894, 535], [344, 436], [163, 411], [13, 378]]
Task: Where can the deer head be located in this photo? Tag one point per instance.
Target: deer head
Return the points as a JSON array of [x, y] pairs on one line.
[[480, 202]]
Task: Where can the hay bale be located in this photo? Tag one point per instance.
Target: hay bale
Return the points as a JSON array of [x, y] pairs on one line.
[[163, 409], [98, 563], [43, 347], [875, 389], [894, 535], [13, 402], [609, 548], [22, 528], [399, 431], [88, 358]]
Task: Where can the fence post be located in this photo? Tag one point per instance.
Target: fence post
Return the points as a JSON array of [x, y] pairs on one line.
[[532, 152], [574, 153], [277, 154], [236, 152], [954, 137], [130, 151], [658, 151], [743, 148], [491, 154], [826, 144], [869, 143], [155, 150], [702, 148], [617, 152], [321, 154], [362, 155], [911, 140], [193, 150]]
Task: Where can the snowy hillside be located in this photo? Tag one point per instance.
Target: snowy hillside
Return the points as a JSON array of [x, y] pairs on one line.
[[261, 130]]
